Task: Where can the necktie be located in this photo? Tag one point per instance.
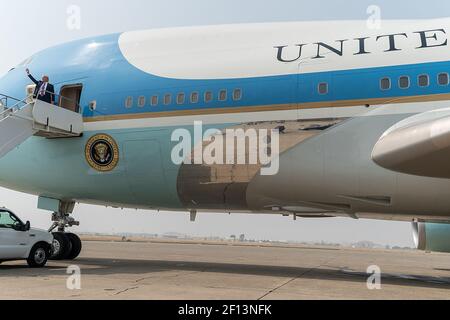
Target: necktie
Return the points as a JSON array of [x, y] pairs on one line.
[[43, 89]]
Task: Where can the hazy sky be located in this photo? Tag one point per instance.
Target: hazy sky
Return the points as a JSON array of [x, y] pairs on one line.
[[29, 26]]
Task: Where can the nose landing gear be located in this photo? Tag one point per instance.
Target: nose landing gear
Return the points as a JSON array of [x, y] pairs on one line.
[[66, 246]]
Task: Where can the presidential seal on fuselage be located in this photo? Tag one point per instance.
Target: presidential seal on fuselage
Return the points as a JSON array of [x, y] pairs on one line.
[[102, 153]]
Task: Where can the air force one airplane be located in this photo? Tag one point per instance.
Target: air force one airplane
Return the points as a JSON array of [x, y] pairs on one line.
[[363, 117]]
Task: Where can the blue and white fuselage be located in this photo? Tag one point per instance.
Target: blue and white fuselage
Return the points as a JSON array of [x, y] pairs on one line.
[[138, 87]]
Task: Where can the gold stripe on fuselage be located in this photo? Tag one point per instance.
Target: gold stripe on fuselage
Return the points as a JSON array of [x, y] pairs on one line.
[[277, 107]]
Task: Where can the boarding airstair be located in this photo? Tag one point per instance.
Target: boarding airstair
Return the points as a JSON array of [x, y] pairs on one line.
[[21, 119]]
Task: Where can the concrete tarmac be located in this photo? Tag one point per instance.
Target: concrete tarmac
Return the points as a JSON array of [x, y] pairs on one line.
[[177, 270]]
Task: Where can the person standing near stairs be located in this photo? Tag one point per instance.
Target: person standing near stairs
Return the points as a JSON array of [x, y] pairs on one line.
[[44, 91]]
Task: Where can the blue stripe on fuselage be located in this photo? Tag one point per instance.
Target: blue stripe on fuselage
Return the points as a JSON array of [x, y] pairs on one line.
[[109, 79]]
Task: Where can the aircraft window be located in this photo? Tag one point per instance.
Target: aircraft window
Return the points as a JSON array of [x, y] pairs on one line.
[[404, 82], [195, 97], [93, 105], [222, 95], [154, 101], [26, 62], [443, 79], [167, 99], [424, 80], [141, 102], [385, 84], [129, 103], [237, 94], [323, 88], [208, 96], [181, 98]]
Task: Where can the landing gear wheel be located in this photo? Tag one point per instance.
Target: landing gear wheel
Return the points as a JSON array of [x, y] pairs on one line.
[[39, 255], [61, 247], [76, 246]]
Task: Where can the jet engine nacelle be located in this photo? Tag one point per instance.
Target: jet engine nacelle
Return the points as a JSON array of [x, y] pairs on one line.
[[432, 236]]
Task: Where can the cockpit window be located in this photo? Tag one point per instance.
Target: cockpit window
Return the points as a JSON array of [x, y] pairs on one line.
[[26, 62]]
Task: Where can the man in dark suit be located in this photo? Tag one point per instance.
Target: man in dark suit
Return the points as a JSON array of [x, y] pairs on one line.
[[44, 90]]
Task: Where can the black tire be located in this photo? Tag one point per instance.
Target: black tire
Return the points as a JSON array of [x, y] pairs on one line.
[[76, 246], [39, 255], [61, 247]]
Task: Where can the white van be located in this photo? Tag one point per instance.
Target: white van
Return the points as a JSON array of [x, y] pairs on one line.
[[19, 242]]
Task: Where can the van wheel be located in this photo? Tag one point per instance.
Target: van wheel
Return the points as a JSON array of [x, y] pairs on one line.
[[76, 246], [39, 255], [61, 246]]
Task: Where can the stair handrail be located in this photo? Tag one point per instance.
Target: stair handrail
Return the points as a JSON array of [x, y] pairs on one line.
[[27, 99], [4, 100], [15, 107], [5, 96]]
